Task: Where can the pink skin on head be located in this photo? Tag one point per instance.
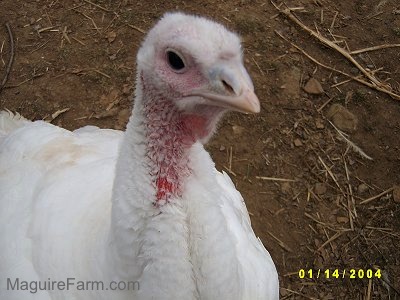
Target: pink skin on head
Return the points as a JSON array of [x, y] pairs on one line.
[[185, 86], [182, 81]]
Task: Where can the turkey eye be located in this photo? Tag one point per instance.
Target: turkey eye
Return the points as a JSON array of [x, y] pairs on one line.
[[175, 61]]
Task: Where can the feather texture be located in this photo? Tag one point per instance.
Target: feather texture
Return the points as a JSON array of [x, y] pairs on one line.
[[143, 211]]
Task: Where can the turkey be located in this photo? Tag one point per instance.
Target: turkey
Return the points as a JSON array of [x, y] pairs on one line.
[[141, 214]]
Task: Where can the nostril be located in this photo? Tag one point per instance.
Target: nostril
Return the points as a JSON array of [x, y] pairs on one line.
[[228, 87]]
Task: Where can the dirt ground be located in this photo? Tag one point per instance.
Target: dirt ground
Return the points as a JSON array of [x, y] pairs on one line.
[[316, 202]]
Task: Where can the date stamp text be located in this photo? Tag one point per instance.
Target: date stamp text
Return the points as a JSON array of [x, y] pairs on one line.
[[337, 273]]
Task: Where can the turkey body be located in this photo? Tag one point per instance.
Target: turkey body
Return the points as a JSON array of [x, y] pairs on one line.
[[55, 204], [140, 214]]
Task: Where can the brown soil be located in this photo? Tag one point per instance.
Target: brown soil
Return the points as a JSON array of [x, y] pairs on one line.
[[81, 56]]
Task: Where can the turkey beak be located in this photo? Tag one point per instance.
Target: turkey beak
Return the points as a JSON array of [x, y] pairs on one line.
[[230, 87]]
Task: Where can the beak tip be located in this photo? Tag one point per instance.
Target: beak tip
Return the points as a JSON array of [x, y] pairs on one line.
[[253, 102]]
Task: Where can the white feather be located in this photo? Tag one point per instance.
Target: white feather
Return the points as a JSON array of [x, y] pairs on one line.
[[77, 207], [56, 191]]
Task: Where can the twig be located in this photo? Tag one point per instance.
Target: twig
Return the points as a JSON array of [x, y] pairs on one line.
[[369, 289], [11, 59], [137, 28], [334, 237], [322, 223], [374, 48], [350, 214], [288, 13], [275, 179], [46, 29], [350, 197], [373, 86], [230, 171], [331, 174], [350, 187], [299, 294], [24, 81], [282, 244], [48, 17], [350, 143], [57, 113], [325, 104], [111, 22], [258, 66], [385, 232], [334, 20], [89, 18], [101, 73], [64, 33], [41, 46], [377, 196], [79, 41], [379, 228], [322, 16], [374, 15], [98, 6], [340, 83]]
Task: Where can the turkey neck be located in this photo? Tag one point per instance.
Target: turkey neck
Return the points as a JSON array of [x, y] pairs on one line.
[[168, 138], [149, 231]]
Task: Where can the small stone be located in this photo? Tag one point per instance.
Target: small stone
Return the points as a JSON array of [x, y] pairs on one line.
[[342, 118], [126, 89], [297, 143], [286, 188], [313, 87], [342, 220], [320, 188], [222, 148], [289, 82], [36, 26], [319, 124], [362, 188], [111, 35], [396, 194], [237, 130]]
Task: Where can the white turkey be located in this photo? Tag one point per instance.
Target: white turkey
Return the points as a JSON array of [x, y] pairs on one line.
[[142, 211]]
